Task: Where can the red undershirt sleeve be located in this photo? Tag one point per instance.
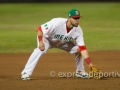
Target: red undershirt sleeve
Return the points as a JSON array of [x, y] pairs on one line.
[[82, 48], [39, 37], [39, 28]]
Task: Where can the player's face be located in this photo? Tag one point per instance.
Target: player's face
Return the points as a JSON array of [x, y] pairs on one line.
[[74, 21]]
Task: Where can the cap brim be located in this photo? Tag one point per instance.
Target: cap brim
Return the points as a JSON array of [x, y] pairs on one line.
[[77, 17]]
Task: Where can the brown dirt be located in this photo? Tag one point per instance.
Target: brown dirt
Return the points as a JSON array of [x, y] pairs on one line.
[[11, 66]]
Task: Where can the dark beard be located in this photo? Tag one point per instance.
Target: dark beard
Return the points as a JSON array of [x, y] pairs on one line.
[[73, 24]]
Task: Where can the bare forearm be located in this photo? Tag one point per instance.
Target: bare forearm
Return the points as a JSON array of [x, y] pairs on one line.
[[86, 56], [40, 33], [40, 38]]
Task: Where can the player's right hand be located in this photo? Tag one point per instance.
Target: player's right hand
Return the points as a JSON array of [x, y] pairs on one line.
[[41, 46]]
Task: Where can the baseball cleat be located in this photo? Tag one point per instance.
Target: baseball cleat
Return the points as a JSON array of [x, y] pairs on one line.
[[82, 75], [25, 76]]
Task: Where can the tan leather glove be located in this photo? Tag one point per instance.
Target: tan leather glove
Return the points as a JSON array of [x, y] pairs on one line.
[[95, 73]]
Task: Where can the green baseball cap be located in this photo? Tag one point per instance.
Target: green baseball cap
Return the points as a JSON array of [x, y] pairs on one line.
[[74, 13]]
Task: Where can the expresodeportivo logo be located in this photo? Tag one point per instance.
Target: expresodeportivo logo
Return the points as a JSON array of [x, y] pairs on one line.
[[112, 74], [63, 37]]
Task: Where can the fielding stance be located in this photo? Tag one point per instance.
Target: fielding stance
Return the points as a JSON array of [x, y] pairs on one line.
[[62, 33]]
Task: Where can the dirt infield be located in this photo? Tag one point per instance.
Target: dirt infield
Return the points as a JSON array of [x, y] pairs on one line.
[[55, 71]]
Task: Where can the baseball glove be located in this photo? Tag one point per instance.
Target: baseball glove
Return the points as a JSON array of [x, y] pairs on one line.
[[95, 73]]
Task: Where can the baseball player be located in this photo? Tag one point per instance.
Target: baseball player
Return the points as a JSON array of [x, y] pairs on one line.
[[62, 33]]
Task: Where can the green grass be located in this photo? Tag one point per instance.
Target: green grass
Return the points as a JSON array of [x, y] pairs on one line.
[[19, 22]]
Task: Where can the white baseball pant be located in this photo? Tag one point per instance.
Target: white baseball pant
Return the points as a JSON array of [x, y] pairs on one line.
[[37, 54]]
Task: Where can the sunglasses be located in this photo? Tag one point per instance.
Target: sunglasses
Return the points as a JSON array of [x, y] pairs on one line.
[[76, 18]]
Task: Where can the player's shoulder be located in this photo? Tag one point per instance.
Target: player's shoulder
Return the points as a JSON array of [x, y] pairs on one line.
[[59, 20], [78, 27]]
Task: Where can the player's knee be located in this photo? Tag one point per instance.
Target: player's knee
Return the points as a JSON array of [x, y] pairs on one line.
[[78, 50]]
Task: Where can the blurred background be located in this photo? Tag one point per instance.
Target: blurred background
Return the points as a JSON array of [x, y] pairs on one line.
[[19, 20], [59, 1]]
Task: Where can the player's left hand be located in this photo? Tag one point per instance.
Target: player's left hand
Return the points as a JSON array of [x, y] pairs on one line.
[[41, 46]]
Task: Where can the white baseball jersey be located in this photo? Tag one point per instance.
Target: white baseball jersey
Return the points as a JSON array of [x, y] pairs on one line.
[[56, 30]]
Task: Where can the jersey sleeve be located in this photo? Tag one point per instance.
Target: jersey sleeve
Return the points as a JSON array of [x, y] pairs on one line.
[[80, 38], [48, 27]]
